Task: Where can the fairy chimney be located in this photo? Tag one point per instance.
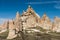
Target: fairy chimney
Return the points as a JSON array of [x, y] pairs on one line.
[[46, 23], [57, 24], [18, 22]]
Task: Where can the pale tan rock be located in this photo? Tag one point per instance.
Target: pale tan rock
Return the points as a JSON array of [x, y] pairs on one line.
[[30, 22], [11, 25], [18, 22], [4, 25], [46, 23], [30, 18], [11, 34], [56, 27]]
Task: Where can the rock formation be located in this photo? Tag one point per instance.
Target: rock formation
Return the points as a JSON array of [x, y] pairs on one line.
[[28, 19], [11, 34], [46, 23], [18, 22], [4, 25], [56, 26]]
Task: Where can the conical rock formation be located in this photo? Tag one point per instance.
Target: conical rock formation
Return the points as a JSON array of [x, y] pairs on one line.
[[30, 18], [56, 26], [46, 23], [18, 22], [11, 34]]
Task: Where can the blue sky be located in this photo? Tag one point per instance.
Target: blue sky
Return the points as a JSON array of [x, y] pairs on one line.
[[8, 8]]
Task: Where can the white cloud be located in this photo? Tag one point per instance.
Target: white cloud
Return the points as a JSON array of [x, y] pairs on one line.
[[47, 2], [57, 6]]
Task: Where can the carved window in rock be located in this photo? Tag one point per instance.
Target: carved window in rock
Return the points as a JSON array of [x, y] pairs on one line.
[[37, 20], [8, 25], [30, 12], [13, 23]]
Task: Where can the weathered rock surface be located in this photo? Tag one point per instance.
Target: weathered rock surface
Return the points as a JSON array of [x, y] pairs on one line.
[[56, 26], [46, 23], [28, 19], [11, 34]]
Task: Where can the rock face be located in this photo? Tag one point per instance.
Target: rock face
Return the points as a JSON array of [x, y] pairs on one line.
[[29, 18], [56, 26], [18, 23], [4, 25], [11, 25], [11, 34], [46, 23]]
